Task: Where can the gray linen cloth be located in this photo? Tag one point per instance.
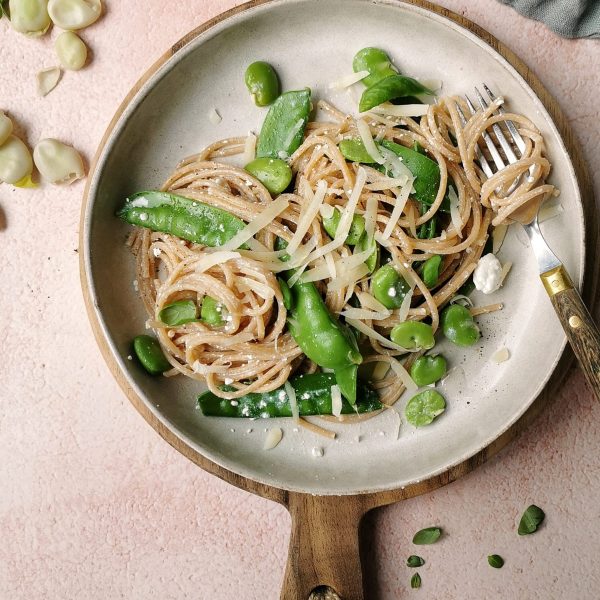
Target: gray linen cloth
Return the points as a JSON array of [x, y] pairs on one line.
[[569, 18]]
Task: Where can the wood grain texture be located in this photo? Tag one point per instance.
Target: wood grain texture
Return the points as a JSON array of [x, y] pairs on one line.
[[582, 333], [324, 541]]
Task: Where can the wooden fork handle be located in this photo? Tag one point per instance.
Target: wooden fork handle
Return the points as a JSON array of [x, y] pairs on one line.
[[577, 322]]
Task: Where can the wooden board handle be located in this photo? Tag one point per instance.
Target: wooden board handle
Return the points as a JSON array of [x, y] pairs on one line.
[[324, 546], [577, 322]]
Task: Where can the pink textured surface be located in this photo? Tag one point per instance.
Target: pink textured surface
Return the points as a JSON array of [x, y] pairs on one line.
[[93, 504]]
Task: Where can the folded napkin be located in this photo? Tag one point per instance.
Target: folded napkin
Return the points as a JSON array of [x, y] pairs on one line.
[[569, 18]]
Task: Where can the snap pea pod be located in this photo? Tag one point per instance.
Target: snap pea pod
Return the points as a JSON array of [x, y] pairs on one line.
[[150, 354], [187, 219], [283, 129], [363, 244], [313, 396], [212, 311], [376, 61], [394, 86], [431, 270], [323, 338], [425, 170]]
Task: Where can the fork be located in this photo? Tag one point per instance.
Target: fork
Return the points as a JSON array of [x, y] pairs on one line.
[[581, 331]]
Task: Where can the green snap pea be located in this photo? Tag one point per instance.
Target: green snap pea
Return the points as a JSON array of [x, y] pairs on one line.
[[179, 313], [388, 286], [150, 354], [376, 61], [323, 338], [357, 227], [458, 325], [423, 408], [394, 86], [365, 243], [212, 311], [428, 230], [283, 129], [313, 397], [431, 270], [275, 174], [354, 150], [262, 82], [413, 335], [187, 219], [466, 288], [428, 369], [288, 300]]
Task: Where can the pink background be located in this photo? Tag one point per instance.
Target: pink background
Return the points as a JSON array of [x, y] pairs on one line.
[[95, 505]]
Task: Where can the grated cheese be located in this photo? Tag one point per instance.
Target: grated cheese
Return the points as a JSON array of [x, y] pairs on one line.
[[406, 110], [386, 183], [336, 401], [214, 258], [273, 438], [401, 199], [314, 202], [403, 375], [500, 356], [291, 394], [348, 80], [367, 139], [293, 132], [370, 332], [364, 314], [405, 306], [214, 117], [249, 148], [433, 84], [326, 210], [455, 211], [349, 279], [393, 163], [506, 267], [498, 235], [369, 301], [371, 216], [260, 222]]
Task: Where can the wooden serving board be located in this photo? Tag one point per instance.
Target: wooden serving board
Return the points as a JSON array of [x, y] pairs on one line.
[[324, 543]]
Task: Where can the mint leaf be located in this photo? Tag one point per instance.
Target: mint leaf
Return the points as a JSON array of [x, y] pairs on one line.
[[495, 561], [415, 561], [429, 535], [532, 518], [415, 581]]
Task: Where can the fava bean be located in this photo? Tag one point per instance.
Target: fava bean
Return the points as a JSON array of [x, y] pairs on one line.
[[6, 127], [262, 82], [274, 173], [29, 16], [357, 227], [413, 335], [58, 162], [458, 325], [388, 286], [178, 313], [74, 14], [15, 161], [150, 354], [428, 369], [376, 61], [423, 408], [431, 270], [211, 311], [71, 51]]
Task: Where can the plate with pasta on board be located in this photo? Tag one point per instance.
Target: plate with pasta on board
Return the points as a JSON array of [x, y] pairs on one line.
[[294, 263]]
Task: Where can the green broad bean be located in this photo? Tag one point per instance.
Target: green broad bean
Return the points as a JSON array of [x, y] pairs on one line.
[[458, 325], [357, 227], [275, 174], [388, 286], [413, 335], [431, 270], [150, 354], [389, 88], [423, 408], [365, 243], [178, 313], [212, 311], [428, 369], [288, 300], [262, 83], [376, 61]]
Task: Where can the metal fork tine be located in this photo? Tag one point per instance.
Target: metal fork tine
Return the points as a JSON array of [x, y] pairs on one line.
[[510, 155], [488, 140], [516, 136], [483, 163]]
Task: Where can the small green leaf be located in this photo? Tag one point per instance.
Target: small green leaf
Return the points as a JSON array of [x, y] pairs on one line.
[[429, 535], [178, 313], [4, 9], [495, 561], [532, 518], [414, 561], [415, 581]]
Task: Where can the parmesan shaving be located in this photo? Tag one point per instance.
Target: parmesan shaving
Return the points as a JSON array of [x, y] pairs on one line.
[[273, 438], [331, 268], [367, 139], [393, 163], [306, 218], [401, 199], [386, 183], [350, 279], [405, 306], [348, 80], [249, 149], [455, 211], [291, 394], [326, 210], [506, 267], [369, 332], [500, 356], [214, 258], [364, 314], [293, 132], [433, 84], [403, 375], [214, 117], [369, 301], [371, 216], [498, 235], [406, 110], [336, 401], [259, 222]]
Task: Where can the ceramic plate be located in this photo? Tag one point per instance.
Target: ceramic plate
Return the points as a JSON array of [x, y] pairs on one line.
[[311, 43]]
